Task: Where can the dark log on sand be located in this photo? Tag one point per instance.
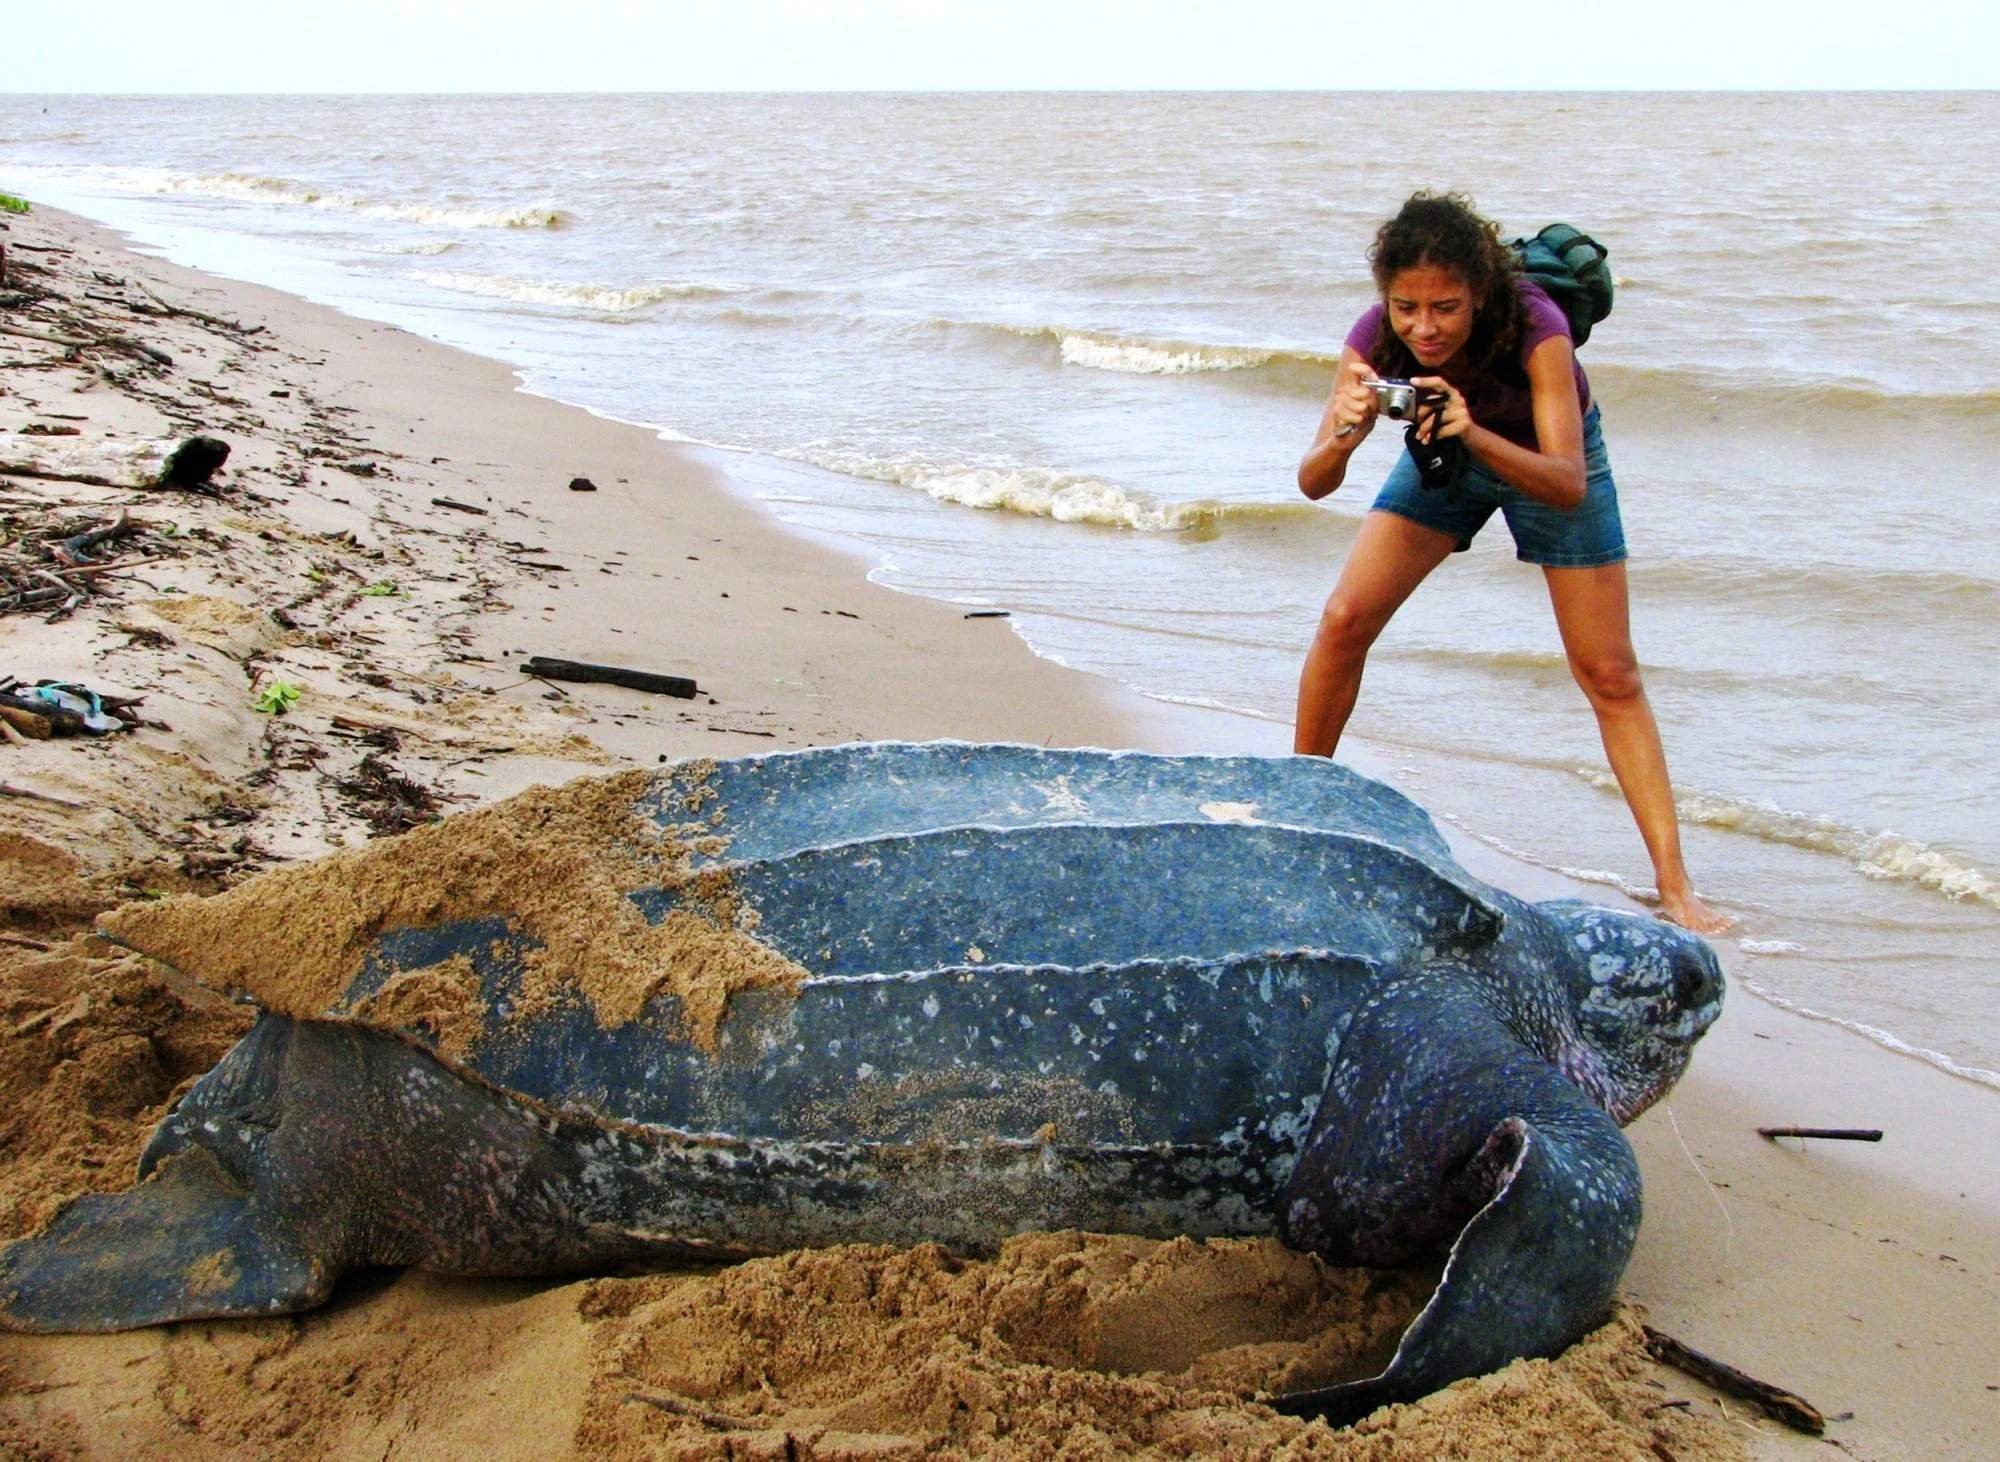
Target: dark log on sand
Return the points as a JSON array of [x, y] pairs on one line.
[[543, 668]]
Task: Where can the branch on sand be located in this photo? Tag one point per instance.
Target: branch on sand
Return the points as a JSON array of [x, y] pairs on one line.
[[1773, 1401]]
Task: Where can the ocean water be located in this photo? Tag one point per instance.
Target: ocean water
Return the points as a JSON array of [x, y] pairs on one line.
[[1061, 353]]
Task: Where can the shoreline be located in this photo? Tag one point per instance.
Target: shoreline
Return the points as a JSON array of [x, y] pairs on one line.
[[809, 649]]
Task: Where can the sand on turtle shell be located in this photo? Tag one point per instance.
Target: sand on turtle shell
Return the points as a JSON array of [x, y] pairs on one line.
[[557, 863]]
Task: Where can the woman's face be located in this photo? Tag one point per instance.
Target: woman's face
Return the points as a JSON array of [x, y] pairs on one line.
[[1430, 309]]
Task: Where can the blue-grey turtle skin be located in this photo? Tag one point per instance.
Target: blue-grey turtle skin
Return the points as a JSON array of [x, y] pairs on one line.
[[1047, 989]]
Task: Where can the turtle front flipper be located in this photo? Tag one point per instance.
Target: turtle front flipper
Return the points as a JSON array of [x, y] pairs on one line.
[[188, 1243], [1438, 1124]]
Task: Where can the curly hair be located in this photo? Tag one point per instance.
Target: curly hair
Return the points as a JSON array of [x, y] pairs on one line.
[[1444, 231]]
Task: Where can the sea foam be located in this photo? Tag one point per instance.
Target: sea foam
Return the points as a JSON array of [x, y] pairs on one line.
[[254, 188], [606, 298], [1888, 856]]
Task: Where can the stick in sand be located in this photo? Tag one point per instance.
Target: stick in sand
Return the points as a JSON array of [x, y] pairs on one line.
[[1832, 1134], [1773, 1401], [8, 789], [674, 1406]]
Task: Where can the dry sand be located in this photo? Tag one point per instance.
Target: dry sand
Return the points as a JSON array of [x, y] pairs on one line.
[[1862, 1277]]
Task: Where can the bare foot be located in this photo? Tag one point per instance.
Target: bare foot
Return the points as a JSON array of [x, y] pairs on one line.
[[1686, 909]]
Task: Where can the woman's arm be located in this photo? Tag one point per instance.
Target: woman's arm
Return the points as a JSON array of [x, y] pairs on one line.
[[1554, 474], [1345, 424]]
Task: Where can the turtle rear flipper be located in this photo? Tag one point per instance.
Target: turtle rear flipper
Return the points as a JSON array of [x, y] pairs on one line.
[[1532, 1272], [187, 1244], [1474, 1140]]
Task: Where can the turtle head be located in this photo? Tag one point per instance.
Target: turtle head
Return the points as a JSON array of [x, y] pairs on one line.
[[1644, 991]]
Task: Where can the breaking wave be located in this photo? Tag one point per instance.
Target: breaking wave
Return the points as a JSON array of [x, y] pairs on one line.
[[1888, 856], [607, 298], [1147, 356], [255, 188], [1042, 492]]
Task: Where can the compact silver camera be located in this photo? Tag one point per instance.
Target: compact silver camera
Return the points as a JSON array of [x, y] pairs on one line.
[[1397, 400]]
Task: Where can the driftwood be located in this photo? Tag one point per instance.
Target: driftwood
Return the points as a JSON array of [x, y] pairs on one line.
[[1773, 1401], [74, 343], [8, 789], [715, 1420], [234, 326], [162, 462], [68, 342], [59, 719], [1830, 1134], [456, 506], [23, 722], [542, 668]]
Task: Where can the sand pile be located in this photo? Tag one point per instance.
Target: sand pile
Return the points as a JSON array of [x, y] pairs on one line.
[[95, 1044], [855, 1352]]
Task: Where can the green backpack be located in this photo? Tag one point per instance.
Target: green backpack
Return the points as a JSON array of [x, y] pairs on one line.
[[1570, 266]]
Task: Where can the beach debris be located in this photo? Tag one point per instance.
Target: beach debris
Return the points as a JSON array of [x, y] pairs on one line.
[[169, 462], [987, 614], [160, 306], [1828, 1134], [381, 589], [388, 801], [75, 344], [53, 564], [1774, 1401], [714, 1420], [80, 548], [194, 462], [277, 697], [457, 506], [10, 789], [66, 708], [582, 484], [541, 667], [24, 723]]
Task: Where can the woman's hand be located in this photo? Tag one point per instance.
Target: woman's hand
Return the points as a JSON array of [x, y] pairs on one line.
[[1353, 403], [1453, 419]]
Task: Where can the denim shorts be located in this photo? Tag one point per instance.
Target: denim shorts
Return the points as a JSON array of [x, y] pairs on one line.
[[1585, 537]]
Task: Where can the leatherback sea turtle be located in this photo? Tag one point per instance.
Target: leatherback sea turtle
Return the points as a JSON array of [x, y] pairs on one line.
[[1044, 989]]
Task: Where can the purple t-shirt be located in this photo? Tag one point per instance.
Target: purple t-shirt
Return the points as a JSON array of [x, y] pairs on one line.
[[1499, 406]]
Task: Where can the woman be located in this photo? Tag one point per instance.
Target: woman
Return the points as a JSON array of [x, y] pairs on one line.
[[1457, 317]]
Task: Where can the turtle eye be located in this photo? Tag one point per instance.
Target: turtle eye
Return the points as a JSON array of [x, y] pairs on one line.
[[1690, 985]]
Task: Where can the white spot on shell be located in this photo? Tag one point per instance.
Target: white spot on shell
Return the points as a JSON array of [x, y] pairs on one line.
[[1229, 811]]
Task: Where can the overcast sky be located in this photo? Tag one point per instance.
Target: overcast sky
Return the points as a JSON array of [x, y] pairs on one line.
[[937, 45]]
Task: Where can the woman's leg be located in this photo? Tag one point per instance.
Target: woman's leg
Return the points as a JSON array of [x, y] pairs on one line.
[[1594, 617], [1390, 557]]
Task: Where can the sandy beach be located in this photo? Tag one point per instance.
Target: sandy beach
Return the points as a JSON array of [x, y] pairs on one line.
[[396, 527]]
